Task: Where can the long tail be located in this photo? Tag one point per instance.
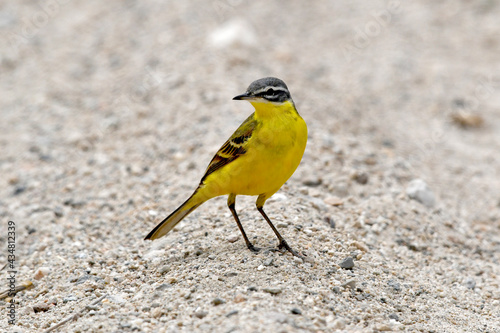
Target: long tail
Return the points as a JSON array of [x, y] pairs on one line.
[[170, 221]]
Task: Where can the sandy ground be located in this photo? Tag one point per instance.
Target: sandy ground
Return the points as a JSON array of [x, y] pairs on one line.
[[111, 111]]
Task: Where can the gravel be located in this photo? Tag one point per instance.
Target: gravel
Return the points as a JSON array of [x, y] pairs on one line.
[[111, 112]]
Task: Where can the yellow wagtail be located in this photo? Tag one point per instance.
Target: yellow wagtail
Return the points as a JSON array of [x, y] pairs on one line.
[[256, 160]]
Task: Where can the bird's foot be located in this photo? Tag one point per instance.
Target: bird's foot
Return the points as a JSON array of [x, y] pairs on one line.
[[253, 248], [284, 245]]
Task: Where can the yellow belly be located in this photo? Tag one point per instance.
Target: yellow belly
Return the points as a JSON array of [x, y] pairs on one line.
[[273, 154]]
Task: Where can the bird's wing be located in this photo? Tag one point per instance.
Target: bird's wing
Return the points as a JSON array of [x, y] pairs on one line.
[[233, 148]]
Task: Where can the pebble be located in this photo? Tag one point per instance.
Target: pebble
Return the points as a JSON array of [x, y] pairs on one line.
[[40, 307], [218, 301], [347, 263], [41, 273], [418, 190], [383, 327], [233, 238], [272, 290], [261, 268], [297, 260], [312, 182], [70, 298], [317, 204], [349, 284], [231, 313], [282, 225], [361, 178], [333, 201], [239, 298], [394, 316], [470, 283], [268, 262], [232, 33], [396, 286], [58, 211], [296, 311], [200, 313], [360, 246], [330, 221], [164, 269], [157, 312]]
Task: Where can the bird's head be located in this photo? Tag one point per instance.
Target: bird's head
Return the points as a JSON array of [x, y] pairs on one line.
[[268, 89]]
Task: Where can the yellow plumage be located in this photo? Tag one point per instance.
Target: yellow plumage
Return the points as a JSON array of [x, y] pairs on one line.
[[256, 160]]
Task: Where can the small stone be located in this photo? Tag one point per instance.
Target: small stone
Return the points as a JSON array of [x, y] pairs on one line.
[[125, 324], [467, 119], [384, 327], [70, 298], [40, 307], [14, 180], [272, 290], [236, 32], [261, 268], [163, 286], [58, 212], [330, 221], [296, 311], [239, 298], [396, 286], [19, 189], [282, 225], [200, 313], [83, 278], [333, 201], [231, 313], [360, 246], [164, 269], [312, 182], [268, 262], [218, 301], [394, 316], [470, 283], [157, 312], [297, 260], [212, 256], [361, 178], [233, 238], [418, 190], [41, 272], [347, 263], [349, 284]]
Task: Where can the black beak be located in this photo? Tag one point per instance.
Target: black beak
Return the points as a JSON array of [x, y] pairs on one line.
[[242, 97]]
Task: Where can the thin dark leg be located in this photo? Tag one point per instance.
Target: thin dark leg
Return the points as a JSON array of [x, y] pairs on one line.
[[283, 243], [231, 200]]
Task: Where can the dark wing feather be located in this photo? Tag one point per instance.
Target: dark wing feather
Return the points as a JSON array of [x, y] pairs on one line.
[[233, 148]]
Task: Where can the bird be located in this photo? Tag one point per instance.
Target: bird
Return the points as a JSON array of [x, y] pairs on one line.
[[256, 160]]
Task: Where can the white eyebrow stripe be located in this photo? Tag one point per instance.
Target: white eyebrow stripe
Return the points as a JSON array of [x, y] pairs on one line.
[[270, 87]]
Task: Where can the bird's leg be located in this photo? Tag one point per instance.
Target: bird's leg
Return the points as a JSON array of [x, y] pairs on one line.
[[231, 200], [283, 243]]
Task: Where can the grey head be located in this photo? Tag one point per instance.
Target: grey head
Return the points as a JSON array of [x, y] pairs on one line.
[[269, 88]]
